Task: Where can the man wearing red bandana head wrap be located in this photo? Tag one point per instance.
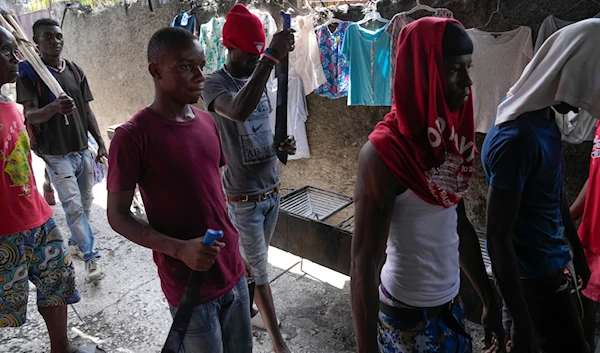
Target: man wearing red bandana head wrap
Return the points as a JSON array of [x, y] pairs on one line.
[[236, 97], [412, 175]]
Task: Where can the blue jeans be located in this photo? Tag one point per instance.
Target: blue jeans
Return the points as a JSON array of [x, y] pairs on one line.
[[73, 177], [221, 326], [255, 221]]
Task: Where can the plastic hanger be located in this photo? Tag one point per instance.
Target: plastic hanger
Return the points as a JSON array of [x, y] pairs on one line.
[[332, 20], [497, 11], [373, 15], [419, 7]]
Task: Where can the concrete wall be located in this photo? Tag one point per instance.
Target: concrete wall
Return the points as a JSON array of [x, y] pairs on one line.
[[111, 46], [11, 5]]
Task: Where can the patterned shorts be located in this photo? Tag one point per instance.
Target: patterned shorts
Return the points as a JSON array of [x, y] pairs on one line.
[[433, 336], [39, 255]]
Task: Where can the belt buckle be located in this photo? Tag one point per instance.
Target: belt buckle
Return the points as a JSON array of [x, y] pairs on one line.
[[245, 198]]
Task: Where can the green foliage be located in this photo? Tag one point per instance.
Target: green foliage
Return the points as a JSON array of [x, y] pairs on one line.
[[36, 5], [95, 3]]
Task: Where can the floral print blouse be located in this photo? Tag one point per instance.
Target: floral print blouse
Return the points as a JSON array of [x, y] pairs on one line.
[[334, 63]]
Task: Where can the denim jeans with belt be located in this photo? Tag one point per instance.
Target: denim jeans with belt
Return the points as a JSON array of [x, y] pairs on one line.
[[73, 178], [222, 325], [256, 222]]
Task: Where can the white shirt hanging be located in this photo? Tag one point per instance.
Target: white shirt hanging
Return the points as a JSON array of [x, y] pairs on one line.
[[305, 60], [499, 59], [297, 114]]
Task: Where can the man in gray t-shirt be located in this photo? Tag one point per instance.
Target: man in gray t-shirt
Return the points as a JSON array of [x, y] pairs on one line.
[[252, 167], [235, 95]]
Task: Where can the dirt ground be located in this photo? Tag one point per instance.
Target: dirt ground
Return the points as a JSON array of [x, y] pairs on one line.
[[127, 312]]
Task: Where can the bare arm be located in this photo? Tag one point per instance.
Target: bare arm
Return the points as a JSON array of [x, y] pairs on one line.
[[374, 195], [571, 236], [239, 107], [471, 263], [95, 130], [577, 207], [192, 252], [502, 212], [36, 115]]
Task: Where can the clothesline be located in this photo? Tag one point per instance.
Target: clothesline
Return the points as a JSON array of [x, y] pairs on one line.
[[357, 63]]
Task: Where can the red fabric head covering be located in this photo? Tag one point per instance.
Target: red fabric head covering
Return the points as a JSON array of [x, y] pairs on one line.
[[243, 31], [427, 147]]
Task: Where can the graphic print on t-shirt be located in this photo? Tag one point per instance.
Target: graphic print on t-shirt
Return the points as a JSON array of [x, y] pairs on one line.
[[596, 147], [17, 161], [256, 136]]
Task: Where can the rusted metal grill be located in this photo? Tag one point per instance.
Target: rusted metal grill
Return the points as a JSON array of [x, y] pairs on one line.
[[314, 203], [347, 224], [308, 226]]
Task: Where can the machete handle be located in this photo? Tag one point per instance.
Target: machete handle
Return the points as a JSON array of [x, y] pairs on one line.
[[211, 235], [183, 315], [287, 19]]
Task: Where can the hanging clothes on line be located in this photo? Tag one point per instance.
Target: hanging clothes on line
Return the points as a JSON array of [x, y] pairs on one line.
[[368, 56], [211, 39], [268, 22], [333, 61], [305, 61], [550, 25], [500, 58], [297, 114], [185, 21], [576, 127], [402, 19]]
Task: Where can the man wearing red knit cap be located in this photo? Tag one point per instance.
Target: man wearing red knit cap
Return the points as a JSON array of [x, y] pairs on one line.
[[236, 97]]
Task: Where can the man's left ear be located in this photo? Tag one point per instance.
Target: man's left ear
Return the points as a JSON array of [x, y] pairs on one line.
[[154, 70]]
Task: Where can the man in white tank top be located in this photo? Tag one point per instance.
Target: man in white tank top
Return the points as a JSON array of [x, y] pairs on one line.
[[412, 175]]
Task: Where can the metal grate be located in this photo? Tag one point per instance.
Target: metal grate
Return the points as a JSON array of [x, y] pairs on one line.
[[482, 246], [314, 203], [347, 224]]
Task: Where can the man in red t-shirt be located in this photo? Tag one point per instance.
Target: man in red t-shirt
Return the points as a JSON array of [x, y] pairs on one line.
[[172, 151], [588, 206], [31, 246]]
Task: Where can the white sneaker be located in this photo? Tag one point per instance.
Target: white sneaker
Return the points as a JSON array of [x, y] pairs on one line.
[[94, 271], [258, 322], [74, 250]]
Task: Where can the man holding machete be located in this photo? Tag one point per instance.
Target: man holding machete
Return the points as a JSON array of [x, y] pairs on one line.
[[64, 147], [172, 151], [236, 97]]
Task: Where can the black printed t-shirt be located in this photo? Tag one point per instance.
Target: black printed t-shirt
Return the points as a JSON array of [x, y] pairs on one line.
[[54, 137]]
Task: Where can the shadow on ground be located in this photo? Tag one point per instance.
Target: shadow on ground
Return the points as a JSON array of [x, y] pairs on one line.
[[127, 312]]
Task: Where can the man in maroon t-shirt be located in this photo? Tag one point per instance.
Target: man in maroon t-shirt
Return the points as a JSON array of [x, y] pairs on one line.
[[173, 153]]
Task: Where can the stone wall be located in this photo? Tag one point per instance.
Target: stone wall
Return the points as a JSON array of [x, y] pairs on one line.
[[110, 44]]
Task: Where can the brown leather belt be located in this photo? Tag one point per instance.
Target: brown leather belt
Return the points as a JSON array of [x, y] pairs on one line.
[[253, 198]]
